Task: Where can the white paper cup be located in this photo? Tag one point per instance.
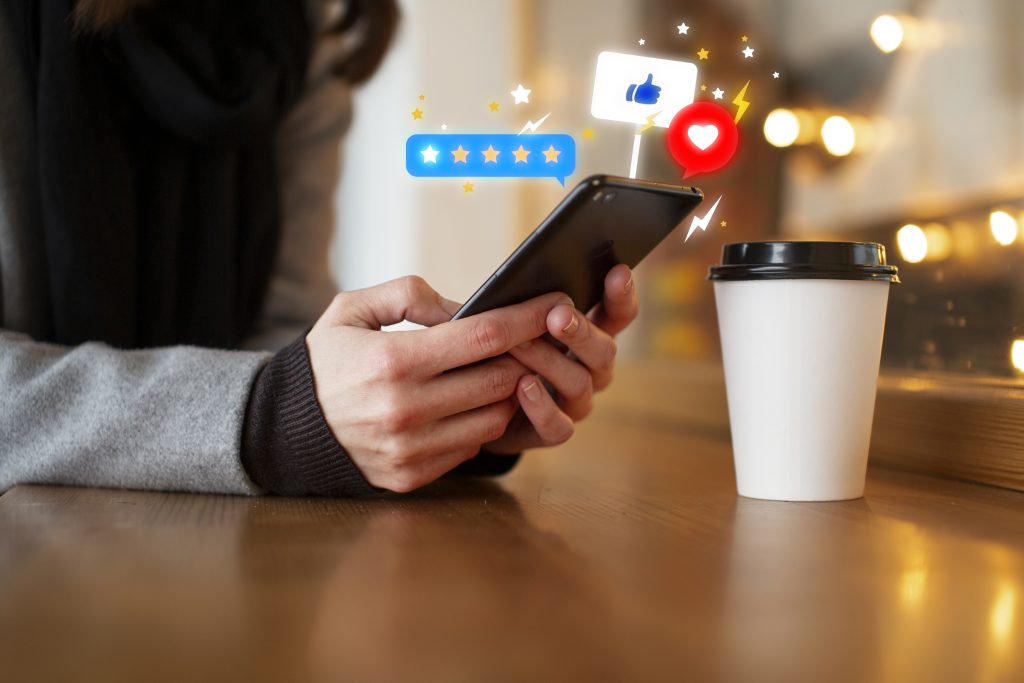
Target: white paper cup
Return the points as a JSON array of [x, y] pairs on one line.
[[801, 326]]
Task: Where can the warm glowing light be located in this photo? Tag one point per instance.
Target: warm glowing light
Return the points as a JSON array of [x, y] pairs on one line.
[[838, 136], [887, 32], [940, 244], [1000, 618], [912, 585], [1017, 354], [781, 128], [1004, 227], [912, 242]]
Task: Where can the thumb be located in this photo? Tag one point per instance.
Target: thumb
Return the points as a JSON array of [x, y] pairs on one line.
[[650, 79], [405, 298]]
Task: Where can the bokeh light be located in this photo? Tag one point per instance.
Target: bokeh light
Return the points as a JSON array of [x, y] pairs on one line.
[[1004, 227], [912, 243], [1017, 354], [940, 243], [838, 136], [887, 33], [781, 127]]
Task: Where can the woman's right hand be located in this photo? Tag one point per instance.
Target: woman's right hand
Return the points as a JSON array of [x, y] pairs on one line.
[[388, 397]]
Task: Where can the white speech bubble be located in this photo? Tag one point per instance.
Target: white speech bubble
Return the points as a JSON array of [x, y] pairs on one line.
[[616, 72]]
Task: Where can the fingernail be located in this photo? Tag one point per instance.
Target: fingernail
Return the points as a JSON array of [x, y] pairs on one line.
[[525, 345], [573, 324], [628, 287], [565, 300], [532, 391]]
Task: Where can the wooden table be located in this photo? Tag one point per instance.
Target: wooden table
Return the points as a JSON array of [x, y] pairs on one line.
[[623, 556]]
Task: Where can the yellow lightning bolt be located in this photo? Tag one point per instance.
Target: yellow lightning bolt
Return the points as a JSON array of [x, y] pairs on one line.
[[650, 122], [741, 104]]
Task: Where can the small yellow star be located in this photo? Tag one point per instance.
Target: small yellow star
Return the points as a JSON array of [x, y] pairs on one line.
[[703, 87], [520, 154], [493, 106], [724, 223], [490, 154], [460, 155], [743, 38], [551, 154], [702, 53], [422, 97], [588, 133], [468, 187], [417, 114]]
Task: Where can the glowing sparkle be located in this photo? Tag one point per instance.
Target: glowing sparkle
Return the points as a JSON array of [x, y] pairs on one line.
[[748, 52], [468, 187], [718, 93], [417, 113], [683, 28], [703, 54]]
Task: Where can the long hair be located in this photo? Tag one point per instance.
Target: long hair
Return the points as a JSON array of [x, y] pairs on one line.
[[375, 20]]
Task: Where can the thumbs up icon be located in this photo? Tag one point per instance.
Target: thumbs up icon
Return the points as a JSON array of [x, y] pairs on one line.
[[644, 93]]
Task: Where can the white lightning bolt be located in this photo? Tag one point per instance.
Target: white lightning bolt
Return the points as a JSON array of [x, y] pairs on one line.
[[702, 221], [532, 127]]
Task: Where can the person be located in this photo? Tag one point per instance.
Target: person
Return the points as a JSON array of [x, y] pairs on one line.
[[167, 316]]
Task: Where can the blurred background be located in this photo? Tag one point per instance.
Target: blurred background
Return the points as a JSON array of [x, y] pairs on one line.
[[894, 121]]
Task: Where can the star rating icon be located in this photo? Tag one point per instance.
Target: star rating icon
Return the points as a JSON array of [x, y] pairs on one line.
[[521, 154], [551, 155], [718, 93], [490, 155], [521, 94], [459, 155], [748, 52], [429, 155], [703, 54], [683, 29]]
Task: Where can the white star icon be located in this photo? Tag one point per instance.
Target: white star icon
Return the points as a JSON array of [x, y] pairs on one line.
[[429, 155], [521, 94], [748, 52], [683, 28], [718, 93], [641, 41], [775, 74]]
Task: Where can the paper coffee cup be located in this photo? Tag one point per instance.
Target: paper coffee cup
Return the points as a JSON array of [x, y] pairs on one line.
[[801, 326]]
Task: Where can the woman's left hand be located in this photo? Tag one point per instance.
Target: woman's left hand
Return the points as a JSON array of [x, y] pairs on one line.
[[546, 419]]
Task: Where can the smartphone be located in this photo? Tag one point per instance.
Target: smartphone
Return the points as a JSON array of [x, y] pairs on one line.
[[604, 221]]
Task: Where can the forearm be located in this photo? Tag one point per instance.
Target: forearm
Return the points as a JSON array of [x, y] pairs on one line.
[[168, 419]]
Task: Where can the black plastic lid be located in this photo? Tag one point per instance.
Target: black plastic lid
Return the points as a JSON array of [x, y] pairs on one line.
[[804, 261]]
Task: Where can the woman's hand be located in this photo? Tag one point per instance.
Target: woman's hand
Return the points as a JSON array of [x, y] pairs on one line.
[[403, 404], [547, 420]]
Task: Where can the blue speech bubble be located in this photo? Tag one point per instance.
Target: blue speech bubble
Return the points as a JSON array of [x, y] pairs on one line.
[[494, 155]]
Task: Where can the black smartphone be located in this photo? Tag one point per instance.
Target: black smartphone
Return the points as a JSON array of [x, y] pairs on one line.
[[604, 221]]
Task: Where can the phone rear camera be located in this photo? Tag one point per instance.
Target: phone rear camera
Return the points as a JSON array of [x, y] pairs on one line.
[[608, 197]]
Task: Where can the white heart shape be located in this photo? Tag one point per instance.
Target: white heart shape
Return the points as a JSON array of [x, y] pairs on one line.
[[702, 136]]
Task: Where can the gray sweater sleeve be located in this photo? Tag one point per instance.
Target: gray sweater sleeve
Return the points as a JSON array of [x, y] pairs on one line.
[[168, 419]]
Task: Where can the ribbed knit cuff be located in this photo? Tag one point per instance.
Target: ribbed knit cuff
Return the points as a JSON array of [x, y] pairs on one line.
[[287, 447]]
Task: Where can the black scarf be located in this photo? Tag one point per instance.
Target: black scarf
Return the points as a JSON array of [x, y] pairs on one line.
[[157, 166]]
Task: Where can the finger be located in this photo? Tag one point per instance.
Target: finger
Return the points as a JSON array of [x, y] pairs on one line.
[[594, 347], [464, 389], [456, 432], [485, 335], [620, 304], [412, 478], [551, 424], [571, 381], [405, 298]]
